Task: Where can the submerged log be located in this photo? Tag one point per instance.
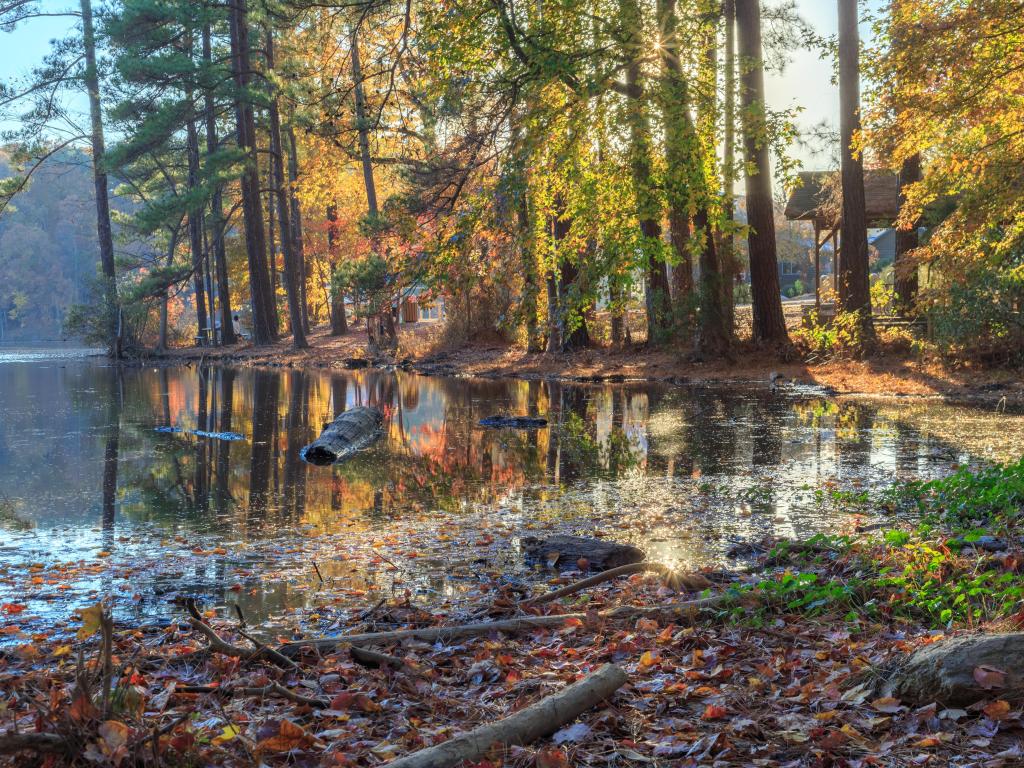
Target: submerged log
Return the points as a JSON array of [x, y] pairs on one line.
[[961, 671], [513, 422], [350, 431], [565, 552]]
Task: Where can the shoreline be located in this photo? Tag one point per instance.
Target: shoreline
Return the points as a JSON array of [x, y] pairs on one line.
[[422, 351]]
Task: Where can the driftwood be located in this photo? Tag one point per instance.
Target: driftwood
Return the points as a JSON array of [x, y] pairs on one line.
[[350, 431], [599, 578], [961, 671], [686, 609], [513, 422], [525, 726], [567, 551]]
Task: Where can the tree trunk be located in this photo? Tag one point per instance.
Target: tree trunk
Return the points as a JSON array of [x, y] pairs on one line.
[[104, 233], [347, 433], [947, 672], [769, 321], [292, 275], [854, 288], [264, 313], [363, 128], [906, 241], [673, 96], [727, 256], [339, 323], [217, 223], [659, 304], [300, 248], [195, 221], [715, 336]]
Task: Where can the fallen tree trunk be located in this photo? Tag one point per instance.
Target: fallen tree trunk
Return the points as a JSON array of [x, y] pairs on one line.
[[688, 608], [567, 551], [11, 743], [961, 670], [350, 431], [525, 726]]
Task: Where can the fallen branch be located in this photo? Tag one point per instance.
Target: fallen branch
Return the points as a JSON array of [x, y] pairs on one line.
[[370, 658], [12, 743], [519, 624], [525, 726], [597, 578], [273, 689], [220, 645]]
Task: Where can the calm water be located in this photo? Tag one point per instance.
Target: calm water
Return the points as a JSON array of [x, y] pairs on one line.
[[95, 503]]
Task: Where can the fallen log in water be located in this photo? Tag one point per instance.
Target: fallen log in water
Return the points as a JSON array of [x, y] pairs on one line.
[[349, 432], [525, 726], [513, 422], [565, 552]]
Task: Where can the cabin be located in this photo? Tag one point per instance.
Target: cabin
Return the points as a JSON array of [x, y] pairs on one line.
[[817, 198], [418, 303]]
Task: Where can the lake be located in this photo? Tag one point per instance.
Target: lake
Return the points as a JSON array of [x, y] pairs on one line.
[[95, 503]]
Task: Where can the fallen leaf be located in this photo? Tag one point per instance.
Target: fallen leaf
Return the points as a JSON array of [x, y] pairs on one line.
[[989, 677], [289, 736], [90, 621], [714, 712], [114, 733], [575, 732], [997, 710], [552, 757], [887, 704], [12, 608]]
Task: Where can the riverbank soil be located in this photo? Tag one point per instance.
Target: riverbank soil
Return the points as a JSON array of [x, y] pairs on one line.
[[423, 348]]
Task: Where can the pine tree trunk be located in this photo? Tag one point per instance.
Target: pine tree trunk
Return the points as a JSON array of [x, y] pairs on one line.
[[264, 313], [195, 222], [104, 233], [220, 261], [769, 321], [854, 288], [906, 241], [300, 248], [292, 276]]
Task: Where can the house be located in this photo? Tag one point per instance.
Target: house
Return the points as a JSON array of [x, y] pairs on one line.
[[817, 198]]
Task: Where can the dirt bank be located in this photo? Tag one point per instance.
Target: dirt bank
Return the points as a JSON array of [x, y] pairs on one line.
[[422, 349]]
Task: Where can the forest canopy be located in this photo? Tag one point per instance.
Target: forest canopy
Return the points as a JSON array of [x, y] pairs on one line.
[[577, 173]]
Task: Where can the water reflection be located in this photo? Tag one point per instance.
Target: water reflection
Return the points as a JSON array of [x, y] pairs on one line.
[[682, 470]]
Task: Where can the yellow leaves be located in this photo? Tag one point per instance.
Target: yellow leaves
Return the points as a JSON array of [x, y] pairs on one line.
[[227, 734], [61, 650], [649, 659], [91, 618]]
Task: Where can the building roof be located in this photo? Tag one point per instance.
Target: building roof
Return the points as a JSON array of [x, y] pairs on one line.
[[816, 197]]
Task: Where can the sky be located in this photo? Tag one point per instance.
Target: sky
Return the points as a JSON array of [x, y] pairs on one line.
[[806, 82]]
